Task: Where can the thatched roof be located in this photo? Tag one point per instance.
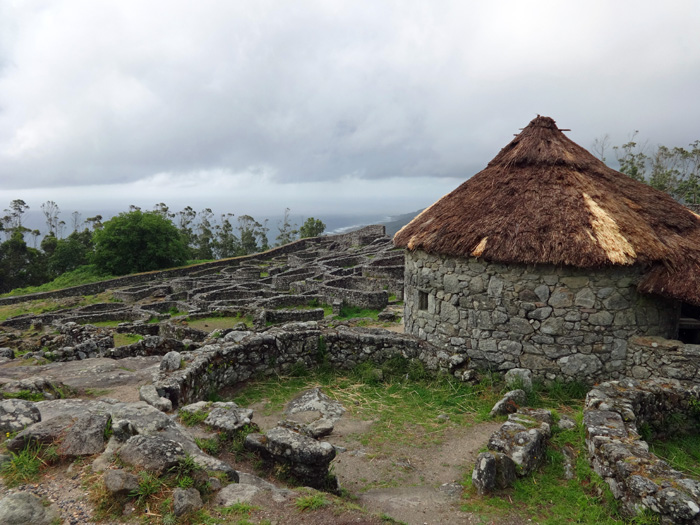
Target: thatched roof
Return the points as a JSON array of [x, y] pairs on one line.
[[545, 200]]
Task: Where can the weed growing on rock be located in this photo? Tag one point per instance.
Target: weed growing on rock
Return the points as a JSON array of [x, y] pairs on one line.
[[239, 509], [311, 502], [24, 394], [211, 446], [191, 419], [149, 484]]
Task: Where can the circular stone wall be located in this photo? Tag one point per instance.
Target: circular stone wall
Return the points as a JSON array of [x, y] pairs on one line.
[[561, 323]]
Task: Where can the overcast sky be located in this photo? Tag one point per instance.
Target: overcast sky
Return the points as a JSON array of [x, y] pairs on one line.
[[321, 106]]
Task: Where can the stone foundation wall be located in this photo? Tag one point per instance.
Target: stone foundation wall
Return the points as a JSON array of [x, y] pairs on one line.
[[655, 357], [614, 415], [560, 322], [214, 367]]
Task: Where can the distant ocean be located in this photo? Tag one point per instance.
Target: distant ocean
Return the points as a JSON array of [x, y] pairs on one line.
[[335, 224]]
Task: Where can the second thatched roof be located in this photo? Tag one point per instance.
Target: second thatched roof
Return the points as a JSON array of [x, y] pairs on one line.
[[546, 200]]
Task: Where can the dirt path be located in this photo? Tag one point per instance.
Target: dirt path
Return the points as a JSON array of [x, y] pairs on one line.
[[415, 485]]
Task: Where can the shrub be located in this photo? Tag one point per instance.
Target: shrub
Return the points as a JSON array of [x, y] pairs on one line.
[[137, 242]]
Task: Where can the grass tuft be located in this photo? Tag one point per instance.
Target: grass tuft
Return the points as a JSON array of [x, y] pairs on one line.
[[311, 502]]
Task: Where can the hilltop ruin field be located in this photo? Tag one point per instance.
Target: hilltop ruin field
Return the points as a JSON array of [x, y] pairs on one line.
[[274, 388]]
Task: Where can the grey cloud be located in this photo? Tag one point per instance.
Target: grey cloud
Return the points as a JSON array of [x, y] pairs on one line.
[[115, 92]]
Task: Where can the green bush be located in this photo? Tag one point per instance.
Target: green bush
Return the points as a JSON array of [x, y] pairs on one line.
[[137, 242]]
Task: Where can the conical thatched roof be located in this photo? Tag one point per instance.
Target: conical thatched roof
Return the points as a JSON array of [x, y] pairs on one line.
[[545, 200]]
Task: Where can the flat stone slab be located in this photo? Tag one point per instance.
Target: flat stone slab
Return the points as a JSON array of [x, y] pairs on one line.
[[315, 400], [97, 373], [17, 414]]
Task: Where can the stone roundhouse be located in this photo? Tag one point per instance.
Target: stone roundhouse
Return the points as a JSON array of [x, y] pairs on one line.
[[549, 260]]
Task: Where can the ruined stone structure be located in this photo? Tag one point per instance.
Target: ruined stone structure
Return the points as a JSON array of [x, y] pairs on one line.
[[615, 416], [561, 323]]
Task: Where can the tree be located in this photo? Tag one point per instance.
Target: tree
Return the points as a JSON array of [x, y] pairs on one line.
[[20, 266], [632, 159], [51, 210], [138, 241], [17, 209], [246, 234], [311, 228], [226, 243], [76, 220], [185, 220], [204, 236], [95, 222], [287, 233], [71, 252]]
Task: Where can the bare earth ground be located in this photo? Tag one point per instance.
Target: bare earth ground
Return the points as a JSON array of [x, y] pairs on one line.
[[418, 486]]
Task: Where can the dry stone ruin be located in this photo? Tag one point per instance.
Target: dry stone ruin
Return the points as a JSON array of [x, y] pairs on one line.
[[540, 325]]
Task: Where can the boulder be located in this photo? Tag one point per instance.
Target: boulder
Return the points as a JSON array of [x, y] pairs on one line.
[[36, 385], [236, 493], [17, 414], [149, 394], [24, 508], [228, 417], [315, 400], [509, 403], [9, 353], [119, 482], [43, 432], [153, 453], [186, 500], [171, 361], [523, 438], [308, 460], [85, 437], [320, 428], [519, 378], [493, 470]]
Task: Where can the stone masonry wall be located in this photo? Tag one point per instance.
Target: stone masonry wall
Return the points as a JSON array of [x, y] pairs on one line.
[[217, 366], [560, 322]]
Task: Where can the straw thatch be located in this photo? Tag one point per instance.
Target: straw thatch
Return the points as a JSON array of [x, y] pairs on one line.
[[545, 200]]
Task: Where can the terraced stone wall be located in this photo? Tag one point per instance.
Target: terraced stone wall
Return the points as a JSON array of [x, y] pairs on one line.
[[559, 322]]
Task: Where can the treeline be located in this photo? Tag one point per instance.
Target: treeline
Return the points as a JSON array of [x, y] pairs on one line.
[[675, 170], [130, 242]]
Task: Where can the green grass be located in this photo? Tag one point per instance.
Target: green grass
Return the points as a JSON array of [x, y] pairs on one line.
[[24, 394], [546, 497], [211, 446], [215, 322], [26, 465], [149, 485], [107, 324], [82, 275], [682, 452], [311, 502], [40, 306], [191, 419], [327, 309], [404, 403], [126, 339], [352, 312], [238, 509]]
